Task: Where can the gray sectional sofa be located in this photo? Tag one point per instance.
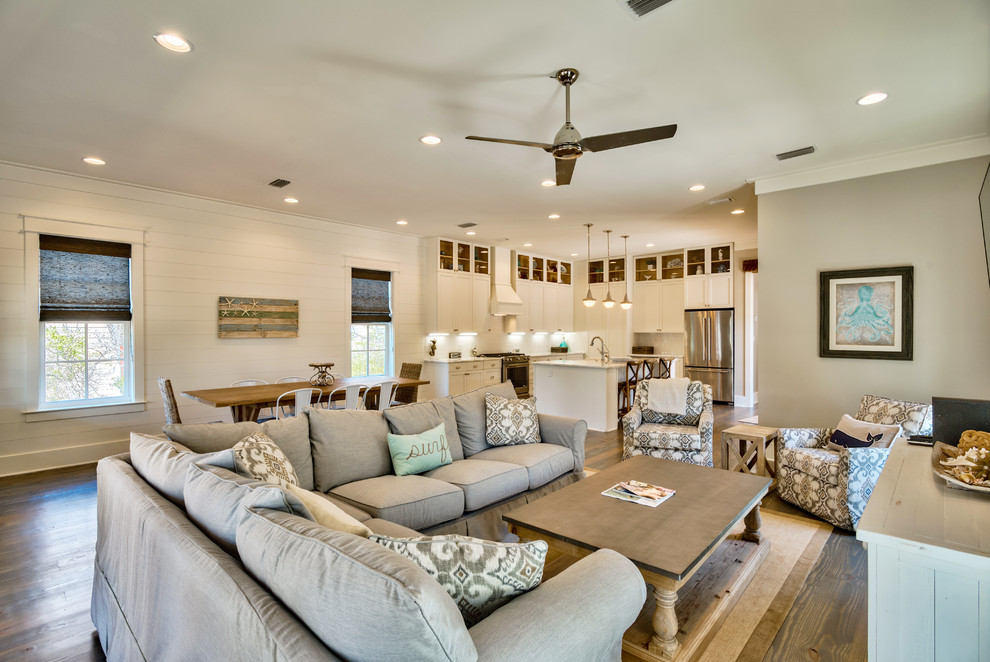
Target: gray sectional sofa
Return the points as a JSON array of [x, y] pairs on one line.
[[183, 573]]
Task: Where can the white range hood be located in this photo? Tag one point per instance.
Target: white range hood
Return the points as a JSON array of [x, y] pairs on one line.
[[504, 300]]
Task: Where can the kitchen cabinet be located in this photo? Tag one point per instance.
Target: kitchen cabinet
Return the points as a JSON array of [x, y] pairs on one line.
[[451, 378], [708, 278], [544, 285], [458, 289], [658, 293]]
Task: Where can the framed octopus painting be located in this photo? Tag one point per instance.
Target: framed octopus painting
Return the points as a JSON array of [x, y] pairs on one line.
[[867, 313]]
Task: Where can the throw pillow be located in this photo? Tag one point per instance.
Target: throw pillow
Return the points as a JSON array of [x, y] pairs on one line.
[[257, 456], [511, 421], [479, 575], [913, 417], [164, 464], [416, 453], [329, 514], [853, 433]]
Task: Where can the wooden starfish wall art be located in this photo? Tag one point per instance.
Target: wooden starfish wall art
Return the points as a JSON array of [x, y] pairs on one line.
[[251, 317]]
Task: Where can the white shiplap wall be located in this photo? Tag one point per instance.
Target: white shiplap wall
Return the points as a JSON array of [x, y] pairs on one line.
[[196, 250]]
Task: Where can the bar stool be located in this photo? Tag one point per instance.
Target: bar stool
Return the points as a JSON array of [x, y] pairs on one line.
[[635, 371]]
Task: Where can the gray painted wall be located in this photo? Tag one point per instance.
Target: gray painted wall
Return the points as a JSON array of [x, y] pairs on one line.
[[926, 217]]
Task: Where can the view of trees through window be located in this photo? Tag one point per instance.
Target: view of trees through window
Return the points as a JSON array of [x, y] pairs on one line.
[[85, 360], [369, 349]]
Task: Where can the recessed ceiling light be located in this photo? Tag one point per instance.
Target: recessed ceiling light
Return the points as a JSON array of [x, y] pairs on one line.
[[527, 245], [553, 217], [738, 211], [871, 98], [650, 245], [431, 140], [291, 201], [697, 187], [94, 160], [548, 183], [402, 222], [574, 254], [173, 42], [470, 233]]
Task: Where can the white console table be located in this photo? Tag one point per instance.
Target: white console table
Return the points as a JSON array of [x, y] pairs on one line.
[[928, 549]]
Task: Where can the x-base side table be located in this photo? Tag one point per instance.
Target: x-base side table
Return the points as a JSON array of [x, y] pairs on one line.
[[744, 448]]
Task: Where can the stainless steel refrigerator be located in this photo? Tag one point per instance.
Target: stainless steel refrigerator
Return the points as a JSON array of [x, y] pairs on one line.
[[708, 350]]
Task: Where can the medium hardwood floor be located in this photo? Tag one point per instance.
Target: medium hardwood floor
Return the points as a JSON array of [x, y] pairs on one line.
[[48, 535]]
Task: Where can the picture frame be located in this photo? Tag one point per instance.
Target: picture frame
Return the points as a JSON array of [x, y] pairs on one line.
[[867, 313]]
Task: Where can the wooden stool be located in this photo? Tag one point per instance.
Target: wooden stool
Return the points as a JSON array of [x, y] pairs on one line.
[[635, 372], [744, 449]]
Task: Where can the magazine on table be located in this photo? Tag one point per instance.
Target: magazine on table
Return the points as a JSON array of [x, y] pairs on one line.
[[641, 493]]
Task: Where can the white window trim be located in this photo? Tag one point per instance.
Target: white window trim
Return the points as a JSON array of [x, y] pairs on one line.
[[34, 226]]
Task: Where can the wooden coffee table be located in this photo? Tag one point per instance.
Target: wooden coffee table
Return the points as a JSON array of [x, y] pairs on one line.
[[669, 544]]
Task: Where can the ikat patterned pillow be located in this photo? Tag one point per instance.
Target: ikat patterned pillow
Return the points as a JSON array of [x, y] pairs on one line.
[[913, 417], [510, 422], [257, 456], [479, 575]]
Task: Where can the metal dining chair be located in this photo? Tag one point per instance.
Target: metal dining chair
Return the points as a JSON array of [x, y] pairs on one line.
[[263, 415], [249, 382], [289, 380], [384, 395], [353, 396], [301, 400]]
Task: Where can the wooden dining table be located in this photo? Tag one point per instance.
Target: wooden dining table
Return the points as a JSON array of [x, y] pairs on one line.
[[246, 402]]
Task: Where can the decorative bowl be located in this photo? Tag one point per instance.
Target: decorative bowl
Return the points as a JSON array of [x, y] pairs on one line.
[[944, 452]]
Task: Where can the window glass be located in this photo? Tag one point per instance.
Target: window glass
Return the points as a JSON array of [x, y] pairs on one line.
[[370, 346], [85, 361]]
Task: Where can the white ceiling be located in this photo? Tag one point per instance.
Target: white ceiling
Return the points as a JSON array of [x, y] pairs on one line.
[[333, 95]]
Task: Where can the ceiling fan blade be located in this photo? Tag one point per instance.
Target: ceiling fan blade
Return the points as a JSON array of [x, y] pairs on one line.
[[565, 168], [524, 143], [626, 138]]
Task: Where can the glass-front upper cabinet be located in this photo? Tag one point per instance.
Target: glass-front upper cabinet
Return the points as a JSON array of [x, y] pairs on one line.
[[481, 260], [552, 271], [463, 257], [696, 263], [537, 268], [522, 267], [617, 269], [672, 266], [596, 271], [446, 255], [721, 259], [564, 271], [646, 268]]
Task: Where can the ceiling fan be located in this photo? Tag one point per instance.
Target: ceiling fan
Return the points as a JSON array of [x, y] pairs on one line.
[[568, 144]]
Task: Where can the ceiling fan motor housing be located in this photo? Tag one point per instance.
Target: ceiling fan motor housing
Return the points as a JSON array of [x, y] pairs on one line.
[[567, 143]]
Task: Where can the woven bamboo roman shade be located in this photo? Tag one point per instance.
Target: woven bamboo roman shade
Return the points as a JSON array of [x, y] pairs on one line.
[[370, 296], [83, 279]]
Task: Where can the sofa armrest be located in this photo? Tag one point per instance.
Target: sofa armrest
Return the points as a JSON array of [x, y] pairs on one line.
[[567, 432], [579, 615], [804, 437]]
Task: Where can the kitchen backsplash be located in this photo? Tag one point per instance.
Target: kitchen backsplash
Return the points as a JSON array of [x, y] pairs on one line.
[[503, 342]]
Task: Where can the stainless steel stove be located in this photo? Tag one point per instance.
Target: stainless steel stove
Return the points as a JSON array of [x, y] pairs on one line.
[[515, 368]]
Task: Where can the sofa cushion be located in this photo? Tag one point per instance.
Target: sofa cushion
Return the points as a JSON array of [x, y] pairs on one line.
[[511, 421], [328, 514], [543, 462], [365, 602], [385, 528], [348, 445], [290, 434], [913, 417], [163, 464], [257, 456], [418, 416], [479, 575], [413, 501], [215, 500], [469, 409], [416, 453], [695, 403], [483, 482], [659, 435]]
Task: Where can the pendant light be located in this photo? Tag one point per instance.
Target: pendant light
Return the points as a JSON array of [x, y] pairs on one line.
[[608, 301], [589, 299], [626, 303]]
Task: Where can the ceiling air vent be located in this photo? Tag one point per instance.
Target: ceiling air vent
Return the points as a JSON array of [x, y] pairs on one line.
[[466, 225], [279, 183], [783, 156], [640, 8], [719, 201]]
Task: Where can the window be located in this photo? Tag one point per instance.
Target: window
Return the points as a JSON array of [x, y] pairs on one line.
[[85, 322], [371, 323]]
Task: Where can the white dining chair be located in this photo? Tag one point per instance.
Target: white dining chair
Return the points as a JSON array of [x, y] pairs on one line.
[[249, 382], [266, 414], [301, 400], [384, 395], [353, 396], [289, 380]]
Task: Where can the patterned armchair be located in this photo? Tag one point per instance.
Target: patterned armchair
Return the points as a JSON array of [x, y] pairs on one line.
[[686, 438], [836, 485]]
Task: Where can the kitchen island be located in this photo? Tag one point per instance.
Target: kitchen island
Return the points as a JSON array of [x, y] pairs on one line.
[[585, 389]]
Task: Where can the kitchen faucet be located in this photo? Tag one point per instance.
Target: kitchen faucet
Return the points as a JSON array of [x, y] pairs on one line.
[[603, 350]]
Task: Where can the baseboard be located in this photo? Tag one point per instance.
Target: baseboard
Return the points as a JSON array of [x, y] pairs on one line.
[[25, 463]]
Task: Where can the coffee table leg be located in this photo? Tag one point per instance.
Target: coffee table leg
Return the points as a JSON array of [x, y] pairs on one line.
[[753, 522], [664, 642]]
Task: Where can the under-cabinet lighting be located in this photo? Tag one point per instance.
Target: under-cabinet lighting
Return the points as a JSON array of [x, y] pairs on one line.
[[468, 333], [438, 334], [540, 333], [518, 333]]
